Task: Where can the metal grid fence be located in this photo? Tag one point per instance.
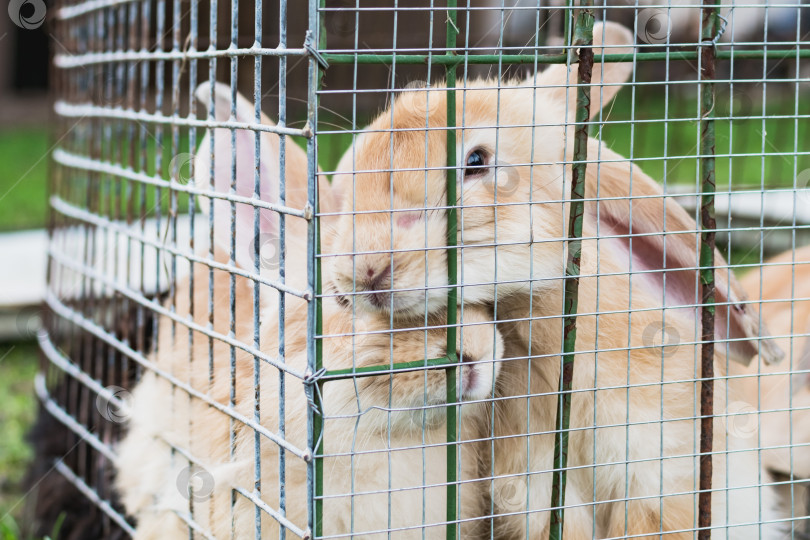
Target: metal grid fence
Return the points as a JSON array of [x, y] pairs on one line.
[[483, 312]]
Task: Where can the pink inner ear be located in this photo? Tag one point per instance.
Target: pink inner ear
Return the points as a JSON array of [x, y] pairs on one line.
[[674, 277], [244, 214], [648, 259]]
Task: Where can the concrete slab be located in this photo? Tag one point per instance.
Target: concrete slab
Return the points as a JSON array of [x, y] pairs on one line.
[[23, 261], [130, 255], [773, 206], [756, 219]]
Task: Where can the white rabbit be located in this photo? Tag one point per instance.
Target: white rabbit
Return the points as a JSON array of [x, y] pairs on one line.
[[384, 435], [634, 438], [775, 408], [783, 287]]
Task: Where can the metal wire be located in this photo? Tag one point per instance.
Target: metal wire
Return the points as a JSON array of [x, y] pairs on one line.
[[227, 277]]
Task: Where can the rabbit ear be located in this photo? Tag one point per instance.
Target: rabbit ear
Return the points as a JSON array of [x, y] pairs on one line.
[[231, 167], [606, 78], [666, 258]]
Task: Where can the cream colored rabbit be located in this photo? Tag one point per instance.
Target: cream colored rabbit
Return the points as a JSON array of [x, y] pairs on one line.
[[384, 435], [632, 450], [783, 286]]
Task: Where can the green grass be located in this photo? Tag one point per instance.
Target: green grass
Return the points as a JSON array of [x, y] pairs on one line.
[[680, 137], [10, 530], [18, 364], [23, 178]]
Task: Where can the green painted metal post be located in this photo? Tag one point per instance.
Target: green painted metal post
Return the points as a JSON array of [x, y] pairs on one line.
[[318, 417], [452, 273], [318, 423], [583, 37]]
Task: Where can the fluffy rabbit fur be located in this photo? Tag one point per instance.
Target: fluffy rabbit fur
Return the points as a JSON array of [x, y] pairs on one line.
[[633, 437], [375, 427], [780, 281]]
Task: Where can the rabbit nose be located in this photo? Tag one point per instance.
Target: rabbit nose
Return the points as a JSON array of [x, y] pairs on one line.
[[375, 281], [375, 286]]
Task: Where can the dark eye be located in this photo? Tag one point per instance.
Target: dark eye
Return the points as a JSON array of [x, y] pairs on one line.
[[476, 164]]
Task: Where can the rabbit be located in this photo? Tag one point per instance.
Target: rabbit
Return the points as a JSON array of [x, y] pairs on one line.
[[780, 291], [633, 444], [384, 436]]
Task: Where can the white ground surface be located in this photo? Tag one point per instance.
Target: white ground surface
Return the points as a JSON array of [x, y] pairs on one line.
[[114, 254]]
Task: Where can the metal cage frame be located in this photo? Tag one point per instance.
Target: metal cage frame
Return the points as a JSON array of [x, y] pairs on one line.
[[85, 75]]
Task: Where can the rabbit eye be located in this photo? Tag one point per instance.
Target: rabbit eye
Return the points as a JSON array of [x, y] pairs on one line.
[[476, 164]]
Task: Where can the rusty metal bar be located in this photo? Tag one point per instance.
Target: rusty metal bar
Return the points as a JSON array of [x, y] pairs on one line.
[[583, 37], [707, 237]]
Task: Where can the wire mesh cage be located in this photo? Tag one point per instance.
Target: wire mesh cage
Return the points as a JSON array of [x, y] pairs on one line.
[[431, 269]]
